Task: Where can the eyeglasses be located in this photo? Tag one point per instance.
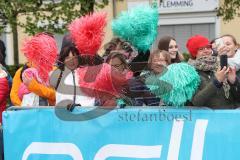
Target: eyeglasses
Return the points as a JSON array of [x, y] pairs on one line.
[[117, 65], [204, 48]]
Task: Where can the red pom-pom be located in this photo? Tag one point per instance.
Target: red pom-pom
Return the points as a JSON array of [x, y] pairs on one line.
[[101, 81], [87, 32], [41, 50]]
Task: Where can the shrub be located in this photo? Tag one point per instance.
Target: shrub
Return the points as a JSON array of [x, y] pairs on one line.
[[13, 68]]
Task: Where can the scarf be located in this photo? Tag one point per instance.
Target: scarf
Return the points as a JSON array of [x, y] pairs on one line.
[[210, 63], [205, 63]]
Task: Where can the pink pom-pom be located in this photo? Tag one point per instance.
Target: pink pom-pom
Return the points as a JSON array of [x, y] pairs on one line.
[[101, 81], [22, 91], [41, 51], [31, 73], [87, 32]]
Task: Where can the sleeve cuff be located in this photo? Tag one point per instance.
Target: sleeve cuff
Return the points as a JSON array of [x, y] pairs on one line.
[[217, 83], [32, 85]]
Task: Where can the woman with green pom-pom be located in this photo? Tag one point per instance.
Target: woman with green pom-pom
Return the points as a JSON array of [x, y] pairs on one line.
[[135, 93], [175, 84]]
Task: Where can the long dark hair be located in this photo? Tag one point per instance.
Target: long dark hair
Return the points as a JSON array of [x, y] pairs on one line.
[[163, 44], [2, 53], [83, 60], [65, 53]]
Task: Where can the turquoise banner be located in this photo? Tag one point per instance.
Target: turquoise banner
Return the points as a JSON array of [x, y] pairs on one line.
[[122, 134]]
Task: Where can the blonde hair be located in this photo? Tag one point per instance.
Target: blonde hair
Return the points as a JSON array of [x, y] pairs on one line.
[[238, 46], [232, 37]]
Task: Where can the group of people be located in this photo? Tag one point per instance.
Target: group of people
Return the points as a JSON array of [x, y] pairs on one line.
[[128, 73]]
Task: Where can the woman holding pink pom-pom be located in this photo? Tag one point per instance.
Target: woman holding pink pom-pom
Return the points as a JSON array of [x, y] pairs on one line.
[[31, 82]]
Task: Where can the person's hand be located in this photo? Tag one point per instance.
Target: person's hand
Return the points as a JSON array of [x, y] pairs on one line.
[[222, 50], [26, 79], [181, 57], [221, 74], [111, 103], [232, 75]]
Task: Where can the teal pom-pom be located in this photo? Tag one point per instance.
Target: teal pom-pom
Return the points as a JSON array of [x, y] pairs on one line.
[[184, 80], [156, 85], [137, 26]]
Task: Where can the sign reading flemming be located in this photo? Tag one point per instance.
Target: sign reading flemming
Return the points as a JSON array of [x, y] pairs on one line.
[[180, 6]]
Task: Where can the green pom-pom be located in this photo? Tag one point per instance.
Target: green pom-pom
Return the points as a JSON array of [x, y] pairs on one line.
[[137, 26], [157, 86], [184, 80]]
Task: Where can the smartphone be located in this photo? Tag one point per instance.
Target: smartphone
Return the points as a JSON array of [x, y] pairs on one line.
[[223, 61]]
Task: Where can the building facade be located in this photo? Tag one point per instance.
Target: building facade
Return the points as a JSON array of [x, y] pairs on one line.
[[184, 18], [178, 18]]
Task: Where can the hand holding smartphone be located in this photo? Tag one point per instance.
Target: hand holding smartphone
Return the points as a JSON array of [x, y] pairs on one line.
[[223, 57], [223, 61]]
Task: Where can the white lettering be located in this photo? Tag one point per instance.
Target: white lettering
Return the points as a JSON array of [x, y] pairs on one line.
[[128, 151], [198, 139], [175, 140], [170, 4], [53, 148]]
